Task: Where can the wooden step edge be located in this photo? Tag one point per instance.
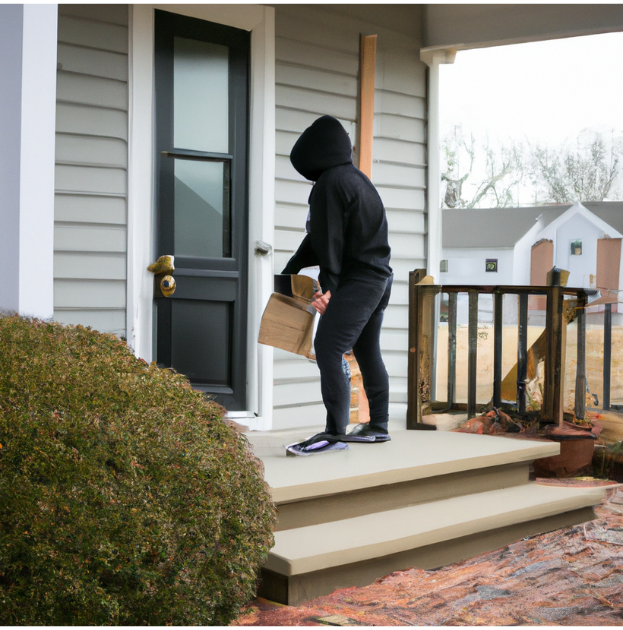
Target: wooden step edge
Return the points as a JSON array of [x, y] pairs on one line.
[[346, 542]]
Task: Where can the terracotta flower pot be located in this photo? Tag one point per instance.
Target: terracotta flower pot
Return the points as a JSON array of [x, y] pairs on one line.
[[575, 457]]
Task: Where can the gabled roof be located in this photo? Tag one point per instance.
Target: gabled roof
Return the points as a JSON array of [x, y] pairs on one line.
[[491, 227], [503, 227], [609, 211]]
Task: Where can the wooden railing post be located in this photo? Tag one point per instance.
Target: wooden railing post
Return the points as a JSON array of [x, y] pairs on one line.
[[421, 299], [472, 354], [552, 398], [498, 330], [451, 348], [413, 398], [580, 372], [522, 353], [607, 355]]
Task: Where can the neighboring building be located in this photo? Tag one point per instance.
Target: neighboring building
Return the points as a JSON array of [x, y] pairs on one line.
[[520, 245], [127, 130]]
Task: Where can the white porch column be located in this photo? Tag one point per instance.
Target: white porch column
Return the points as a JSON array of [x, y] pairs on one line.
[[433, 58], [28, 39]]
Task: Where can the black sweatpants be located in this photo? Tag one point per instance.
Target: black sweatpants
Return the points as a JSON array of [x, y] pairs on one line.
[[353, 320]]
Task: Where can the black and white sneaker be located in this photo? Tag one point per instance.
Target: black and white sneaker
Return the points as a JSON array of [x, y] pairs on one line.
[[317, 444], [365, 433]]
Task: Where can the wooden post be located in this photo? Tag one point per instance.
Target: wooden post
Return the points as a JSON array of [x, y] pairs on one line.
[[412, 367], [367, 65], [367, 62], [522, 353], [563, 361], [552, 399], [607, 355], [419, 348], [427, 337], [451, 349], [580, 372], [497, 347], [472, 354]]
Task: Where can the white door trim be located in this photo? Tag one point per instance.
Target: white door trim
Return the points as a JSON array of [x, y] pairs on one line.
[[260, 21]]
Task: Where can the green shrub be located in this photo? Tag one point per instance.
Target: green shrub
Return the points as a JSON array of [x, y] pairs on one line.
[[124, 496]]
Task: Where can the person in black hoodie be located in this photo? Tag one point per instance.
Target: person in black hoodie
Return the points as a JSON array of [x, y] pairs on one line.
[[347, 237]]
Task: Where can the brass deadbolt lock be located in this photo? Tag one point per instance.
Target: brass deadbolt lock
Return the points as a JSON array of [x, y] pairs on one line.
[[164, 283], [167, 286]]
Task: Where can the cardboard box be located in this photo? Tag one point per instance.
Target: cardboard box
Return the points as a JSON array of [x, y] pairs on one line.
[[288, 319]]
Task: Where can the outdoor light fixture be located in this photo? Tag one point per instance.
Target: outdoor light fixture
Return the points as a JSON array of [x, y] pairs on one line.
[[491, 265]]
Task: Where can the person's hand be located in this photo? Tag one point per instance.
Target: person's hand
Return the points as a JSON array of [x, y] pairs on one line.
[[320, 301]]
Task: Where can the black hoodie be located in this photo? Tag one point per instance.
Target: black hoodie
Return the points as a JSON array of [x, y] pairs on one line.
[[347, 229]]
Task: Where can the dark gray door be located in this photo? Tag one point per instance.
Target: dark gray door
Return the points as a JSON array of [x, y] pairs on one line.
[[201, 139]]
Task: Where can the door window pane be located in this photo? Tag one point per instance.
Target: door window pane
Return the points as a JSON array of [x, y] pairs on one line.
[[200, 96], [202, 211]]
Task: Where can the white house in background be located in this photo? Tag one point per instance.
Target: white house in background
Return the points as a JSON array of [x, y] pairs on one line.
[[133, 131], [518, 246]]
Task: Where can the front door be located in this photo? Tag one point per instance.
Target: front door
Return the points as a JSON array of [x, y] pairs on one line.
[[201, 138]]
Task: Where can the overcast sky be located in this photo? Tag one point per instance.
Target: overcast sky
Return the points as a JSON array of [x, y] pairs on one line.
[[547, 91], [544, 93]]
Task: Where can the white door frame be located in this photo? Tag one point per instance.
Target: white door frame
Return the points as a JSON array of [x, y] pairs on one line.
[[260, 21]]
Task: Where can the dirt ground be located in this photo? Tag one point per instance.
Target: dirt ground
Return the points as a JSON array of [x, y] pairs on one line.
[[594, 361], [570, 577]]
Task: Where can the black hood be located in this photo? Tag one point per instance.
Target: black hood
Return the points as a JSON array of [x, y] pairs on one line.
[[322, 146]]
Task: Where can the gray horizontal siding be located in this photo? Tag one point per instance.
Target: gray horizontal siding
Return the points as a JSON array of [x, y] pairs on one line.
[[89, 90], [74, 293], [89, 238], [91, 151], [90, 209], [317, 64], [99, 318], [89, 265], [90, 232], [91, 121], [91, 179], [92, 62], [91, 31]]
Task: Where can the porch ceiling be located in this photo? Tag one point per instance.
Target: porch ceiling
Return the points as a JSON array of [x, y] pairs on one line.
[[464, 26]]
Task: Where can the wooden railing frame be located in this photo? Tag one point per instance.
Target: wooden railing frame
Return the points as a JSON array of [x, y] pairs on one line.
[[423, 327]]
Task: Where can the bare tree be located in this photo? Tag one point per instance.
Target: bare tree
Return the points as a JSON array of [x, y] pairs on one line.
[[503, 169], [504, 172], [586, 174], [453, 143]]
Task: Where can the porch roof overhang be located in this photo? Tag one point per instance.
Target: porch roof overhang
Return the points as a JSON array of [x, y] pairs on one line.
[[453, 27]]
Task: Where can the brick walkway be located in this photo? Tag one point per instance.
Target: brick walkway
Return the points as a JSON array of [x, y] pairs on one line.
[[570, 577]]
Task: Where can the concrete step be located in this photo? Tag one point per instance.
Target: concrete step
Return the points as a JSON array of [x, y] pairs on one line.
[[424, 499], [409, 456], [314, 560], [336, 507]]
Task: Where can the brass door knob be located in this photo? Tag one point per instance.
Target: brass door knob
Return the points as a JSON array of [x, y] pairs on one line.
[[164, 283]]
